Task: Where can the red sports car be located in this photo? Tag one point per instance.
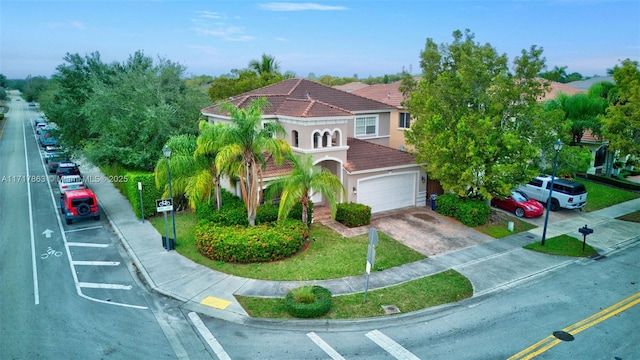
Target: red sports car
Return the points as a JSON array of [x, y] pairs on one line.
[[520, 204]]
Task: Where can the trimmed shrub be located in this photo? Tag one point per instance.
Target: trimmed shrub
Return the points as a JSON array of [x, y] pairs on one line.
[[260, 243], [149, 192], [470, 212], [308, 301], [353, 214]]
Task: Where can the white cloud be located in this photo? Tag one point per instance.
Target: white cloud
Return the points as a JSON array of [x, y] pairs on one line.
[[287, 6], [209, 23], [210, 14]]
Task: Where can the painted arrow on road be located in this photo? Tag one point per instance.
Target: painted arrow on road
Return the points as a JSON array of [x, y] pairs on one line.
[[47, 233]]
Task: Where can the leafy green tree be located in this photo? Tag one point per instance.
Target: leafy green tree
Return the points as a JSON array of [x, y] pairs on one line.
[[3, 81], [476, 120], [248, 145], [558, 74], [304, 181], [68, 91], [137, 109], [622, 119], [34, 87]]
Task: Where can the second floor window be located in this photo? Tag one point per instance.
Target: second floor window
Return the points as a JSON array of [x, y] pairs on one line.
[[405, 120], [366, 125]]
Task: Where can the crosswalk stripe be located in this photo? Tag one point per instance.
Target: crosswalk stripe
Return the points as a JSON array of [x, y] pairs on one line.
[[390, 346], [87, 244], [324, 346], [208, 336], [97, 263], [104, 286]]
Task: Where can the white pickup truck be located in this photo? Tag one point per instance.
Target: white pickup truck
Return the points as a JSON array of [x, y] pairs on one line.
[[566, 194]]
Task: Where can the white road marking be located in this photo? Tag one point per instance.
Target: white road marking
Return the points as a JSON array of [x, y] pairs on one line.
[[324, 346], [47, 233], [96, 263], [87, 244], [83, 229], [36, 291], [208, 337], [390, 346], [104, 286]]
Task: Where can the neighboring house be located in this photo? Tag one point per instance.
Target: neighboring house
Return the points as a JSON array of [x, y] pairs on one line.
[[598, 146], [345, 133], [400, 118]]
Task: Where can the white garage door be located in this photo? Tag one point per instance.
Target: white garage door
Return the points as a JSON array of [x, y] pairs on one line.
[[388, 192]]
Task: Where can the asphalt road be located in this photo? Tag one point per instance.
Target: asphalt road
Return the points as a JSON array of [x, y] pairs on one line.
[[67, 290]]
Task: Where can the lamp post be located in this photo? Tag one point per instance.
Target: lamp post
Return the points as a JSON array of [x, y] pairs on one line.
[[167, 154], [557, 146]]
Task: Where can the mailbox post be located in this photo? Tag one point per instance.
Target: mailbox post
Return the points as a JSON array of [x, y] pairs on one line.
[[585, 231]]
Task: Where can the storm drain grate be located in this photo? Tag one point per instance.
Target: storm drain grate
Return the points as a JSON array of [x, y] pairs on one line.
[[563, 335], [390, 309], [597, 257]]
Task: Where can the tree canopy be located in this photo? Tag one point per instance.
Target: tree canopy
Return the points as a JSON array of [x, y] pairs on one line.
[[475, 119], [121, 113], [622, 119]]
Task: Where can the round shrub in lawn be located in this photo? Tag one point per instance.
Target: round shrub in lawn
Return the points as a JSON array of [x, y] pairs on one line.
[[260, 243], [308, 301]]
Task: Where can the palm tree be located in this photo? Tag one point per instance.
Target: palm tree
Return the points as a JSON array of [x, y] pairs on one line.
[[208, 144], [267, 66], [247, 145], [302, 183], [182, 165], [193, 170]]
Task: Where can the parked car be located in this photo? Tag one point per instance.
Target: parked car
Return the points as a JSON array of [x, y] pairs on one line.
[[70, 182], [39, 127], [519, 204], [67, 168], [78, 204], [566, 194], [46, 137], [52, 162]]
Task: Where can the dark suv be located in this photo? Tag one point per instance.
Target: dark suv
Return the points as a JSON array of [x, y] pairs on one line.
[[67, 168], [77, 204]]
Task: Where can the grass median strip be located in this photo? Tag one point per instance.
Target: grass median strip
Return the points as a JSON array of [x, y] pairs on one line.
[[442, 288]]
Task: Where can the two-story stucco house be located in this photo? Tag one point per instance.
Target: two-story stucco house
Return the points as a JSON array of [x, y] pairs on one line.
[[345, 133]]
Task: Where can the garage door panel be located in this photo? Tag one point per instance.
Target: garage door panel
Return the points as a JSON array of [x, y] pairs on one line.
[[388, 192]]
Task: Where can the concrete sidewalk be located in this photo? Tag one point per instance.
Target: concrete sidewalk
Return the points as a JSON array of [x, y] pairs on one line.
[[489, 265]]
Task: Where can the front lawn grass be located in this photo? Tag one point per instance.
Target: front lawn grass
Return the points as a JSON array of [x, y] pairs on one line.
[[632, 217], [600, 196], [442, 288], [500, 228], [564, 245], [330, 256]]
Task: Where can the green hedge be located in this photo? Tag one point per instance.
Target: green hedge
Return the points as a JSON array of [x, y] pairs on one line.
[[234, 212], [127, 182], [319, 307], [353, 214], [260, 243], [468, 211]]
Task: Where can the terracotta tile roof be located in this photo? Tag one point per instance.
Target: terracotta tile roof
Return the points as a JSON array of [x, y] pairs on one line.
[[386, 93], [364, 155], [273, 170], [557, 88], [305, 98], [352, 86]]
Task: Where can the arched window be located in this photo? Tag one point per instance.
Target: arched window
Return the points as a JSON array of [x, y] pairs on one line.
[[316, 140], [294, 138], [326, 139]]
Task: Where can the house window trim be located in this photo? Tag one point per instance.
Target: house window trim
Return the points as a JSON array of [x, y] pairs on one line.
[[402, 123], [376, 119]]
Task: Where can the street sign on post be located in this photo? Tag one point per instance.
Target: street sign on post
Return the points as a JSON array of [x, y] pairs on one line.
[[163, 205], [371, 257]]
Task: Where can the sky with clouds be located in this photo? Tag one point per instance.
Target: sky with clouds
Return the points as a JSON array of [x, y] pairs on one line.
[[338, 38]]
